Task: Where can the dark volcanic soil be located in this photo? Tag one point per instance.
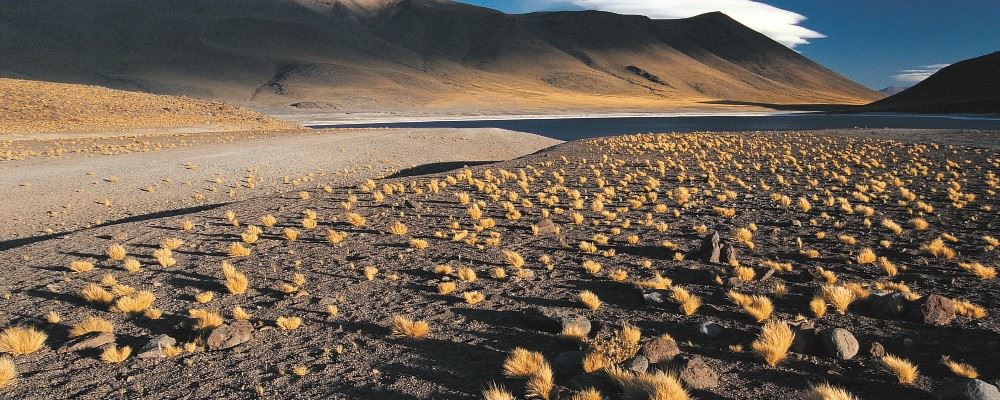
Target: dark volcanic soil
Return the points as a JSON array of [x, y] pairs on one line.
[[351, 355]]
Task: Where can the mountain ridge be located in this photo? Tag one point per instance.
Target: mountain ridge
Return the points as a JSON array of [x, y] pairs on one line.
[[968, 86], [358, 55]]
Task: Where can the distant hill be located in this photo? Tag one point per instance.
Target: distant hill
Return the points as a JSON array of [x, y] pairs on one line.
[[371, 55], [971, 86], [34, 107], [891, 90]]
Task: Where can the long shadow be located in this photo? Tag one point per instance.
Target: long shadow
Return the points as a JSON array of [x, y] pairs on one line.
[[435, 168], [15, 243]]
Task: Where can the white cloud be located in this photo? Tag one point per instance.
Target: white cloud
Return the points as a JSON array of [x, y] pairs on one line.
[[919, 74], [778, 24]]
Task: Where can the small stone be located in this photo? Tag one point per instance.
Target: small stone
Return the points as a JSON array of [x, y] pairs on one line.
[[967, 389], [936, 310], [229, 336], [637, 364], [697, 374], [660, 349], [907, 343], [839, 343], [326, 301], [547, 227], [876, 350], [730, 255], [710, 329], [654, 298], [92, 340], [153, 349], [568, 363]]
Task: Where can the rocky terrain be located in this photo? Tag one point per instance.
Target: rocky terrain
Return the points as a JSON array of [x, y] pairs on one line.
[[710, 266]]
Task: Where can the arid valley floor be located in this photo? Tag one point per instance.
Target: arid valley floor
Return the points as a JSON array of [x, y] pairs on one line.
[[843, 257]]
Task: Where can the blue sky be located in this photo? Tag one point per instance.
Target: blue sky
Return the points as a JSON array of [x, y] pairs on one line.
[[876, 43]]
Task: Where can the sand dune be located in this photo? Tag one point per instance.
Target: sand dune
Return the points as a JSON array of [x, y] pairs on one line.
[[376, 55]]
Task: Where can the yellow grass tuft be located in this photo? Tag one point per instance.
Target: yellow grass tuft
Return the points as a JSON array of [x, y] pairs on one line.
[[961, 369], [656, 385], [237, 250], [135, 303], [370, 272], [94, 293], [773, 342], [587, 394], [240, 314], [8, 371], [473, 297], [419, 244], [590, 300], [21, 340], [906, 373], [91, 324], [172, 243], [204, 297], [513, 259], [132, 265], [979, 270], [290, 234], [205, 319], [398, 228], [467, 274], [446, 287], [81, 266], [403, 327], [866, 256], [53, 317], [744, 274], [938, 249], [757, 306], [494, 392], [839, 297], [522, 363], [115, 355], [288, 323], [818, 306], [116, 252], [825, 391], [236, 281], [187, 225], [967, 309], [153, 313]]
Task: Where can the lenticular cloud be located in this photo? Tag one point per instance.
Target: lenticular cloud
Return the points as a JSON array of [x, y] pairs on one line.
[[778, 24]]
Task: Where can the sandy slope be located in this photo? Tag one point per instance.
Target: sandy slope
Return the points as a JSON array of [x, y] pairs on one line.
[[30, 107], [69, 192]]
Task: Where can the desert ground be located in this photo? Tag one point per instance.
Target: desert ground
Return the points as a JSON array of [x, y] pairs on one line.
[[854, 260]]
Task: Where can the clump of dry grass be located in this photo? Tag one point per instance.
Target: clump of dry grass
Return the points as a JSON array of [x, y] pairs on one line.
[[774, 341], [240, 314], [818, 306], [938, 249], [446, 287], [94, 293], [80, 266], [91, 324], [473, 297], [494, 392], [839, 297], [655, 385], [236, 282], [532, 366], [825, 391], [906, 373], [866, 256], [757, 306], [403, 327], [205, 319], [20, 340], [204, 297], [398, 228], [961, 369], [590, 300], [370, 272], [132, 265], [288, 323], [238, 250], [8, 371], [967, 309], [115, 355], [979, 270], [116, 252], [134, 303]]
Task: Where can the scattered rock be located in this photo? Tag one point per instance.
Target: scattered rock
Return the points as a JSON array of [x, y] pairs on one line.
[[697, 374], [325, 301], [92, 340], [935, 310], [153, 348], [710, 329], [576, 323], [876, 350], [839, 343], [730, 255], [229, 336], [659, 350], [637, 364], [967, 389], [547, 227], [887, 304], [414, 204], [710, 250], [654, 298]]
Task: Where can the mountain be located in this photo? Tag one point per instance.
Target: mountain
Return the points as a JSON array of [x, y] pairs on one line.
[[891, 90], [28, 107], [971, 86], [379, 55]]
